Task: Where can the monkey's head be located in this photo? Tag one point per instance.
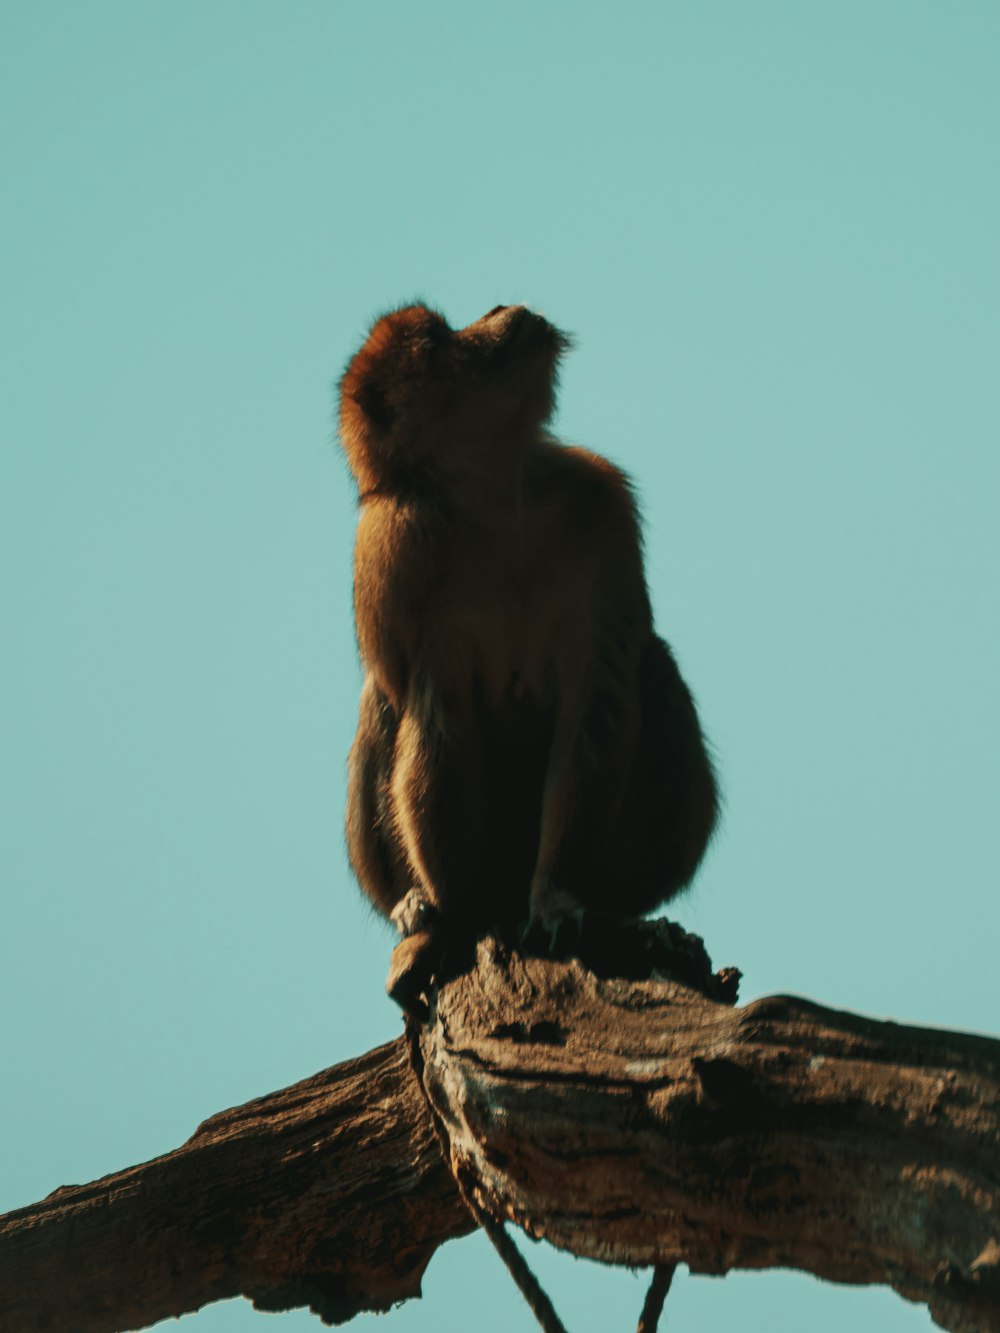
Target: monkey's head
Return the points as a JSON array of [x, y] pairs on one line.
[[423, 399]]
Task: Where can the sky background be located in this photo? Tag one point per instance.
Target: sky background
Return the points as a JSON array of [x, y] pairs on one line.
[[773, 229]]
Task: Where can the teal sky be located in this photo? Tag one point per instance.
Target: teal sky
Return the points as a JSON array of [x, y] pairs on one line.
[[772, 227]]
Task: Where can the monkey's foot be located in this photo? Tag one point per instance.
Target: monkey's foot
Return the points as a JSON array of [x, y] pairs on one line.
[[414, 963], [555, 921]]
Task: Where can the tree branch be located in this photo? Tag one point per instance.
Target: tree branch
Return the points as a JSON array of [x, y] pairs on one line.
[[624, 1110], [331, 1193], [640, 1122]]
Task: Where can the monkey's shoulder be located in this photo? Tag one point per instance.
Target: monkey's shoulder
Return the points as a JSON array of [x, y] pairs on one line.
[[393, 537], [583, 484], [396, 569], [582, 508]]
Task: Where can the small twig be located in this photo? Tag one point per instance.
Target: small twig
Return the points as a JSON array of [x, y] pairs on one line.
[[663, 1275]]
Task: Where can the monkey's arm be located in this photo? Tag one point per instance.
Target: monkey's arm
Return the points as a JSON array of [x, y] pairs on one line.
[[392, 583], [378, 855], [437, 790], [606, 621], [587, 779]]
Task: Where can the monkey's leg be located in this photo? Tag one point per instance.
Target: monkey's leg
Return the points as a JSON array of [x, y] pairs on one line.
[[674, 802], [372, 841]]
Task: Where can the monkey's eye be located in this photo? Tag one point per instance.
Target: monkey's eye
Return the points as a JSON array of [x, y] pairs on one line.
[[435, 333], [429, 345]]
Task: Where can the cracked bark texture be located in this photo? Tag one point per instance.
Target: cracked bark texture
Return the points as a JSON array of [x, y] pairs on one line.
[[620, 1107], [780, 1134], [330, 1194]]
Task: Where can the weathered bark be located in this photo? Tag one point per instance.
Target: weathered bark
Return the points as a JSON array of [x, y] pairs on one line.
[[629, 1120], [638, 1121]]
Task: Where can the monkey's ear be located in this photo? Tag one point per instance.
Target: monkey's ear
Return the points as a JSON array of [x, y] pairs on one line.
[[370, 397]]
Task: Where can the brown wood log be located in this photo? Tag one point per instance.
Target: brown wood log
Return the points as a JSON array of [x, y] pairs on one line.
[[639, 1122], [629, 1118]]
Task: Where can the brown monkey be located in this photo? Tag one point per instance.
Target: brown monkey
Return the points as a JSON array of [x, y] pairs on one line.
[[526, 749]]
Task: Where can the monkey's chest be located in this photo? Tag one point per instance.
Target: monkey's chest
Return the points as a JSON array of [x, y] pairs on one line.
[[502, 643], [510, 617]]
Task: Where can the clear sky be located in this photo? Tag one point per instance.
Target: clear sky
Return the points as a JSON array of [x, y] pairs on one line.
[[772, 227]]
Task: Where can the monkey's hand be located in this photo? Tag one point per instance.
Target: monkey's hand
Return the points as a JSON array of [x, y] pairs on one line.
[[417, 956], [415, 960], [555, 919], [413, 913]]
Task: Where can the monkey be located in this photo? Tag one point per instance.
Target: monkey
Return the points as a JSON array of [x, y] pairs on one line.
[[527, 750]]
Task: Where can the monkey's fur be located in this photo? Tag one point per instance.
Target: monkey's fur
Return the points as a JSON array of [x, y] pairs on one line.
[[526, 748]]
